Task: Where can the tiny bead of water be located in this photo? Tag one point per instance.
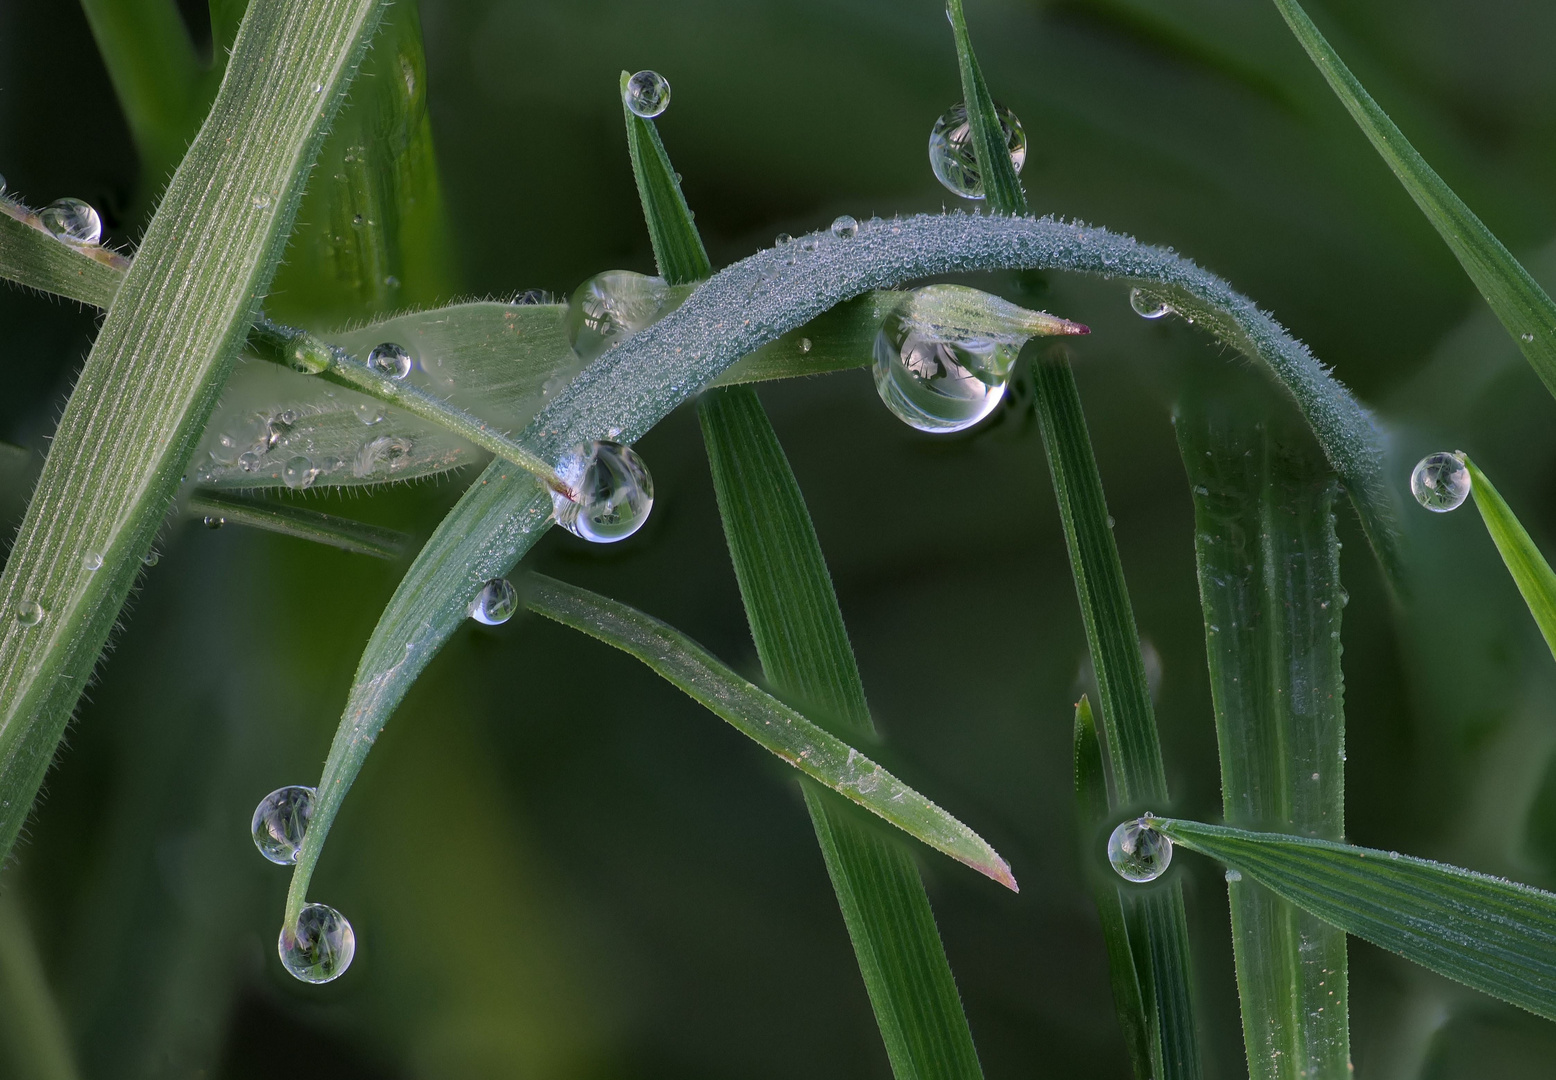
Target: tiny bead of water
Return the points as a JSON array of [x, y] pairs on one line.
[[951, 153], [533, 296], [610, 307], [782, 239], [391, 359], [320, 947], [299, 473], [1138, 852], [1440, 482], [368, 412], [613, 492], [280, 821], [647, 94], [214, 521], [92, 561], [845, 227], [938, 386], [29, 613], [495, 603], [1148, 305], [73, 221], [805, 345]]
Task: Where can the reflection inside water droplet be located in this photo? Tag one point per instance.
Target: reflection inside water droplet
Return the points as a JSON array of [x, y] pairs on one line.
[[938, 386], [1148, 305], [610, 307], [1138, 851], [391, 359], [72, 220], [845, 227], [320, 947], [951, 153], [647, 94], [495, 603], [280, 821], [613, 490], [1440, 482], [299, 472]]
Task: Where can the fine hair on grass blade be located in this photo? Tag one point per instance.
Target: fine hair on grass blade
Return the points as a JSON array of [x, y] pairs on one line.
[[153, 373], [1269, 581], [1519, 302], [1488, 933], [1531, 573], [763, 718]]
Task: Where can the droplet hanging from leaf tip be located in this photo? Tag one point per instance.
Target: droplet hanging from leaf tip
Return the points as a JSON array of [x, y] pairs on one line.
[[320, 947], [614, 492], [1440, 482], [647, 94]]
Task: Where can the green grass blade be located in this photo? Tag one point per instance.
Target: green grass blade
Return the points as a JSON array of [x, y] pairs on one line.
[[32, 257], [1531, 573], [1269, 580], [1000, 186], [677, 244], [764, 719], [298, 521], [1518, 300], [154, 371], [1093, 812], [36, 1043], [1485, 932]]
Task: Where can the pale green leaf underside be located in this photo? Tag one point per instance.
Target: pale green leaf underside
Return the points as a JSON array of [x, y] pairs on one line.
[[1531, 573], [1494, 935], [763, 718]]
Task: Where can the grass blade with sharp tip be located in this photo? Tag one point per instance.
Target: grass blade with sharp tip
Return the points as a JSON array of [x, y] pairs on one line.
[[678, 247], [33, 257], [1001, 187], [1524, 308], [1485, 932], [289, 520], [1093, 811], [764, 719], [1531, 573], [1269, 581], [154, 371]]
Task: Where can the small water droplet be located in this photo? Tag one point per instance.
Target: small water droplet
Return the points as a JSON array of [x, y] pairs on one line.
[[391, 282], [804, 344], [612, 306], [938, 386], [390, 359], [248, 461], [357, 220], [782, 239], [299, 472], [279, 822], [214, 521], [1234, 875], [261, 202], [152, 557], [495, 603], [1148, 305], [1440, 482], [72, 220], [368, 412], [279, 427], [951, 153], [1138, 851], [2, 184], [647, 94], [92, 561], [29, 613], [320, 947], [534, 296], [1526, 337], [613, 488], [845, 227]]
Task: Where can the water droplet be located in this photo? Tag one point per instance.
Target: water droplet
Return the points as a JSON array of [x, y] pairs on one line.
[[368, 412], [647, 94], [214, 521], [612, 306], [1148, 305], [261, 202], [1234, 875], [320, 947], [845, 227], [390, 359], [782, 239], [1440, 482], [152, 557], [92, 561], [279, 427], [534, 296], [72, 220], [613, 488], [248, 461], [938, 386], [951, 153], [1526, 337], [299, 472], [357, 219], [495, 603], [391, 282], [29, 613], [1138, 851], [280, 820], [804, 344], [2, 185]]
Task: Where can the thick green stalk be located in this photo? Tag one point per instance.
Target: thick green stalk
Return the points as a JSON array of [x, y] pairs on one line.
[[1269, 581], [155, 369]]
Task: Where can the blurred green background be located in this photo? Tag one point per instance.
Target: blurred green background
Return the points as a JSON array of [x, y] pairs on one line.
[[556, 865]]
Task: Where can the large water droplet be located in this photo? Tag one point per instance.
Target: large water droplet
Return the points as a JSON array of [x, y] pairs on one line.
[[280, 820], [1138, 851], [613, 490], [1440, 482], [390, 359], [299, 472], [1148, 305], [29, 613], [647, 94], [320, 947], [951, 153], [72, 220], [845, 227], [938, 386], [248, 461], [495, 603], [612, 306]]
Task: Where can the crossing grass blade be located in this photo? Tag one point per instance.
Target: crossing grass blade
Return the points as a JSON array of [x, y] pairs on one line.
[[1494, 935], [1531, 573], [287, 519], [763, 718], [1517, 299], [1269, 581]]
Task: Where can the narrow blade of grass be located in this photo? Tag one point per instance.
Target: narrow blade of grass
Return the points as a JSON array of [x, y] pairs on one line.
[[1269, 581], [1001, 187], [1531, 573], [33, 257], [677, 244], [154, 371], [1485, 932], [1518, 300], [764, 719], [290, 520], [1093, 812], [36, 1045]]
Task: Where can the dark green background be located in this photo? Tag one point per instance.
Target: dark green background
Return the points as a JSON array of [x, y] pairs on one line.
[[559, 867]]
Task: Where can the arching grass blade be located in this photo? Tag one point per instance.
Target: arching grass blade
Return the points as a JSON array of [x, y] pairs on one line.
[[1531, 573], [299, 521]]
